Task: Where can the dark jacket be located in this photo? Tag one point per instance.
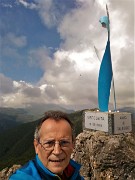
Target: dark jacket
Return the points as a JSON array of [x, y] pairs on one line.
[[35, 170]]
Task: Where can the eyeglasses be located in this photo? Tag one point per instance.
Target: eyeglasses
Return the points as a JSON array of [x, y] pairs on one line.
[[49, 145]]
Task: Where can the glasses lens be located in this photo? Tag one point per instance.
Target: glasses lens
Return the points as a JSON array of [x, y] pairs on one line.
[[64, 143], [49, 145]]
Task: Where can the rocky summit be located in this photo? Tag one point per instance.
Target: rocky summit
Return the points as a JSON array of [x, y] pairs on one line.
[[106, 157], [103, 156], [6, 172]]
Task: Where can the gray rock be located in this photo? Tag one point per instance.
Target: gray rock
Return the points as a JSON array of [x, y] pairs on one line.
[[5, 173], [106, 157]]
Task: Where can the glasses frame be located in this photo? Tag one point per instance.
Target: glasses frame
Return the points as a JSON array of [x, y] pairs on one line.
[[51, 148]]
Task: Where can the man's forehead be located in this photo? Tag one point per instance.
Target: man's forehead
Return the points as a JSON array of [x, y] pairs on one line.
[[55, 121], [50, 123], [61, 128]]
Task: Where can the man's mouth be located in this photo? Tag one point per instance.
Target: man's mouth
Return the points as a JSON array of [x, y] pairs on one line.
[[60, 160]]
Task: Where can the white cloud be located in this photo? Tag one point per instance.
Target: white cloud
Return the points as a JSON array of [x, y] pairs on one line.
[[17, 41], [71, 74], [18, 94], [6, 5], [12, 41], [10, 46], [6, 85], [39, 57], [47, 13], [27, 4], [52, 11], [74, 71], [31, 92]]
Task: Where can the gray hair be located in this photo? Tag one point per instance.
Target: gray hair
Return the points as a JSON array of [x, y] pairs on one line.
[[55, 115]]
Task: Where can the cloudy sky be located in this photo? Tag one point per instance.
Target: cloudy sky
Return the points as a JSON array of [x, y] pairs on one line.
[[51, 50]]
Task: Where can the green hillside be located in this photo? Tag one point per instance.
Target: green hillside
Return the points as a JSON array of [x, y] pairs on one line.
[[11, 117], [16, 144], [7, 121]]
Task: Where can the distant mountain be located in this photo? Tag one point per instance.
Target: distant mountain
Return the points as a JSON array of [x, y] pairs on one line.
[[7, 121], [11, 117], [39, 109], [17, 143], [129, 109], [16, 114]]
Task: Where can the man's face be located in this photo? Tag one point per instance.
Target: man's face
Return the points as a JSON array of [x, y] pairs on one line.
[[57, 159]]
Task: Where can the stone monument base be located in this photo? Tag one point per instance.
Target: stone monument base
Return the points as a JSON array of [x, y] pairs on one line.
[[110, 122]]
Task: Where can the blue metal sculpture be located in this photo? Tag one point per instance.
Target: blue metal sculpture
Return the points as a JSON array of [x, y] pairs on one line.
[[105, 72]]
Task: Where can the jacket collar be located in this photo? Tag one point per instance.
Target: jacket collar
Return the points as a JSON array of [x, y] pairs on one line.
[[71, 169]]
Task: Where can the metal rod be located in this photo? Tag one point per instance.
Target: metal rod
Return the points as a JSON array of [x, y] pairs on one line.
[[112, 69]]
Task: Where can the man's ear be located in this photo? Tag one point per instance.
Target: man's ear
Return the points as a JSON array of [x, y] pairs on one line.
[[36, 145]]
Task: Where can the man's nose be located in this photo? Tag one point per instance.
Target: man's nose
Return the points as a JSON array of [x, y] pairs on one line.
[[57, 148]]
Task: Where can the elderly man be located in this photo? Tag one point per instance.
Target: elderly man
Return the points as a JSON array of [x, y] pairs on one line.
[[54, 143]]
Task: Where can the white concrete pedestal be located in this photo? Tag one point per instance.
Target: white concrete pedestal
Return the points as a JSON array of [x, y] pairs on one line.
[[110, 122]]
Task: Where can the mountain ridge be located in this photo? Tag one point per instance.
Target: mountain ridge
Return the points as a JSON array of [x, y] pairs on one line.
[[11, 117], [17, 142]]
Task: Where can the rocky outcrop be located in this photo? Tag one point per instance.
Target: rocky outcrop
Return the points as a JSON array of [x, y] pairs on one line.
[[106, 157], [5, 173], [103, 157]]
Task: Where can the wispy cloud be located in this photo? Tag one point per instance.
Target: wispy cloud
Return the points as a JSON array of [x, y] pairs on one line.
[[53, 11], [6, 5], [11, 39], [26, 4], [71, 73]]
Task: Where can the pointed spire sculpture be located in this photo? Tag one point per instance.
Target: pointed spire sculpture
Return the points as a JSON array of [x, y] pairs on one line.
[[105, 73]]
